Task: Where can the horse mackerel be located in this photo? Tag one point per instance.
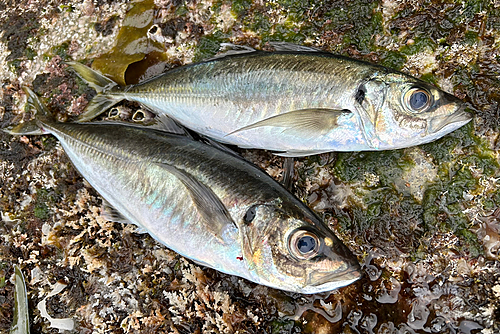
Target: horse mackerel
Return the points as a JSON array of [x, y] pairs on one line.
[[295, 101], [204, 203]]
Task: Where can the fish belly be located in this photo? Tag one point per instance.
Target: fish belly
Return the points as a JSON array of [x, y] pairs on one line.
[[152, 198]]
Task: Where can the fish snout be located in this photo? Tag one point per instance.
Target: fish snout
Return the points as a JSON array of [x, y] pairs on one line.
[[341, 268], [338, 277], [457, 119]]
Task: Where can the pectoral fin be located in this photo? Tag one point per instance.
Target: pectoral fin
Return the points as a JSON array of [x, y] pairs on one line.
[[288, 171], [307, 121], [109, 213], [165, 123], [213, 212]]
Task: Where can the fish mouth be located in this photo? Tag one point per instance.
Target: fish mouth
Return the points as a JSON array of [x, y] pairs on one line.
[[335, 279], [453, 121]]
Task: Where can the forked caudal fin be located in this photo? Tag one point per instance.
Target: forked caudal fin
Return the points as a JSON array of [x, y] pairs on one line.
[[102, 85], [34, 126], [42, 117]]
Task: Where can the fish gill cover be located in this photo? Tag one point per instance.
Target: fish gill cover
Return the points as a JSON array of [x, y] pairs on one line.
[[423, 221]]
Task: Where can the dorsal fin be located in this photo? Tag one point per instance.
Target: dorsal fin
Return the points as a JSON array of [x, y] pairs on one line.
[[286, 46], [230, 49]]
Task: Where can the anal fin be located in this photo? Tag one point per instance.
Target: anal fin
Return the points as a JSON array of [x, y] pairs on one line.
[[109, 213]]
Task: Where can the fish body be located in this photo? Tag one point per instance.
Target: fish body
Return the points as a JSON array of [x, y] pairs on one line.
[[204, 203], [295, 102]]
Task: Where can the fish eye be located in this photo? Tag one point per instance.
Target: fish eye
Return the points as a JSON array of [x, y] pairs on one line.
[[417, 99], [250, 215], [303, 244]]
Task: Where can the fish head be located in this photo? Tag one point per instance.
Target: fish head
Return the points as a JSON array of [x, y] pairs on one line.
[[296, 252], [401, 111]]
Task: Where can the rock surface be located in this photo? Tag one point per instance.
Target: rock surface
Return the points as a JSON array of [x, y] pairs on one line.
[[424, 221]]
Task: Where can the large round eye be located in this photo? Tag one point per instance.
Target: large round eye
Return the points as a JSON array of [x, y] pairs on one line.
[[303, 244], [417, 99], [250, 215]]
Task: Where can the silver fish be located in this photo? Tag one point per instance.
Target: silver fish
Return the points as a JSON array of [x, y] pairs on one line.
[[295, 101], [206, 204]]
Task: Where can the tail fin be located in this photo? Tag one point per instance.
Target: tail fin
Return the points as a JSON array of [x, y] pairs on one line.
[[32, 127], [102, 85]]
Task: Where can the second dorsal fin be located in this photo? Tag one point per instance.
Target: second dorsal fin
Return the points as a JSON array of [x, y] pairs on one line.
[[286, 46], [230, 49]]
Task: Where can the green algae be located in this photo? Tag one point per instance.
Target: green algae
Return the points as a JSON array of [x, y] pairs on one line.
[[30, 53], [392, 59], [441, 207], [353, 166], [420, 44], [181, 10], [41, 211], [14, 66], [66, 8], [43, 199], [281, 326], [240, 7], [61, 50], [358, 23], [209, 45]]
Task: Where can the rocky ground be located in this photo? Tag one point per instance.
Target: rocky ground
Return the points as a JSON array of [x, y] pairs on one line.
[[423, 221]]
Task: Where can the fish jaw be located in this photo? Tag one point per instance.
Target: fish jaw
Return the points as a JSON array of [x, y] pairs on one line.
[[394, 134], [318, 281], [343, 270], [323, 282], [314, 282], [440, 126]]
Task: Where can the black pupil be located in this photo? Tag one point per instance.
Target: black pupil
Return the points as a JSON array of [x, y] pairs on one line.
[[418, 100], [250, 215], [306, 244]]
